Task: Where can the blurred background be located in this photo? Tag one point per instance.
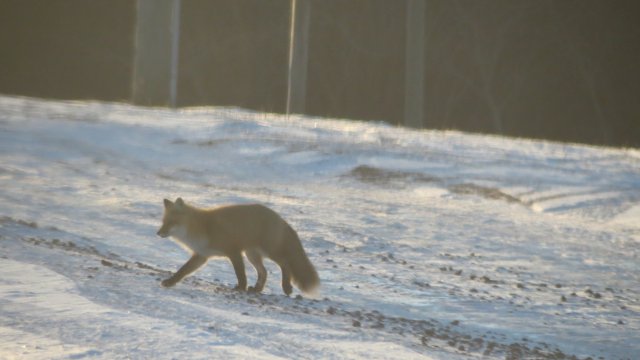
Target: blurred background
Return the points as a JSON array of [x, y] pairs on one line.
[[564, 70]]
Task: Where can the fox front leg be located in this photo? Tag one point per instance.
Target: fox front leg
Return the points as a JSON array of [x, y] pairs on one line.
[[190, 266]]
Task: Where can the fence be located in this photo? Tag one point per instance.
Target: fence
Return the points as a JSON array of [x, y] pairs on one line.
[[557, 70]]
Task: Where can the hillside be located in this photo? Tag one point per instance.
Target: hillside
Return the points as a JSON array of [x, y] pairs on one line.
[[429, 244]]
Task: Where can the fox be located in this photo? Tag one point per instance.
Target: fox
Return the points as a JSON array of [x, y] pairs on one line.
[[231, 231]]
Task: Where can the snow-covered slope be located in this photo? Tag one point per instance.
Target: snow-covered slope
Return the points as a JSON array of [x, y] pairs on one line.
[[429, 244]]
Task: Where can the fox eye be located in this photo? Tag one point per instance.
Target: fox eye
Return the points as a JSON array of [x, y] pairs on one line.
[[170, 222]]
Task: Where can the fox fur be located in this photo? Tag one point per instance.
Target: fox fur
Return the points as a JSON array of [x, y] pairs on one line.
[[231, 231]]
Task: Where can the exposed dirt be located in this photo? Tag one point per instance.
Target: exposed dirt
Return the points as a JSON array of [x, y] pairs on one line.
[[401, 179]]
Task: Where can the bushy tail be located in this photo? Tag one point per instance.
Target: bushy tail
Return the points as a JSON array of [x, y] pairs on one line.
[[303, 273]]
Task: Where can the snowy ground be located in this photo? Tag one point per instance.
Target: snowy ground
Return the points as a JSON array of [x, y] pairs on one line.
[[429, 244]]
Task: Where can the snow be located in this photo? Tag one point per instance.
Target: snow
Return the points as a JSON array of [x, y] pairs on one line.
[[429, 244]]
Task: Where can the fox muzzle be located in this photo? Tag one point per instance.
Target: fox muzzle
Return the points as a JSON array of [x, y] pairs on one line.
[[163, 233]]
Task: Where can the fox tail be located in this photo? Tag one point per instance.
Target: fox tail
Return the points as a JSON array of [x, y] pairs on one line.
[[303, 273]]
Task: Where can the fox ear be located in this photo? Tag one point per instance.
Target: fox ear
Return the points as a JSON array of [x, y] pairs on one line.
[[179, 202], [167, 203]]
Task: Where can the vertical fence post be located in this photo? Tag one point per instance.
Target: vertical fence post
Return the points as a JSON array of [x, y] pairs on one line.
[[155, 66], [175, 51], [414, 64], [298, 56]]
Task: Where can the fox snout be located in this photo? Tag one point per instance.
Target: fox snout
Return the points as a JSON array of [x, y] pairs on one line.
[[163, 232]]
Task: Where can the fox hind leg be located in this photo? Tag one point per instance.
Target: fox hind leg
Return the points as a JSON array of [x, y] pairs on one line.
[[255, 258], [286, 278], [238, 267]]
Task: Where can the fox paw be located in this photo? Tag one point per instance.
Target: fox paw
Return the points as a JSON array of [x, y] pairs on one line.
[[254, 290], [240, 288], [287, 289], [168, 282]]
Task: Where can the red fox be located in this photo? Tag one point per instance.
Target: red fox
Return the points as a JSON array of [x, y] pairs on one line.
[[232, 230]]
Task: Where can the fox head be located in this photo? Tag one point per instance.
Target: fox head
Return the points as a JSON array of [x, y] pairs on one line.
[[172, 218]]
